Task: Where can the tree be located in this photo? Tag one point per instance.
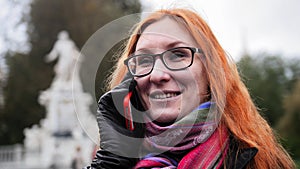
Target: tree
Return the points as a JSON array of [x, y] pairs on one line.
[[29, 74], [20, 109], [274, 84], [265, 76], [288, 125]]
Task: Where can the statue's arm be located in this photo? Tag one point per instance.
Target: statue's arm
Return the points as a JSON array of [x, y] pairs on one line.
[[52, 55]]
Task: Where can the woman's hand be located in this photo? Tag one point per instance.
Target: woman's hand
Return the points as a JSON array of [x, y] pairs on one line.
[[119, 146]]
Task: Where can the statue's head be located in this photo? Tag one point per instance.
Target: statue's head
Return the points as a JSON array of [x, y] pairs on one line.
[[63, 35]]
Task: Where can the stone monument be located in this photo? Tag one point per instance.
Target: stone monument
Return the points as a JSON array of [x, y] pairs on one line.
[[53, 144]]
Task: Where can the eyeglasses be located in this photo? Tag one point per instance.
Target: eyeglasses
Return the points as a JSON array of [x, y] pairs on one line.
[[174, 59]]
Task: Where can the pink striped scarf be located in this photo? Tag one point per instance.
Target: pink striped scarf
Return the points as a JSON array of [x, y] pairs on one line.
[[203, 144]]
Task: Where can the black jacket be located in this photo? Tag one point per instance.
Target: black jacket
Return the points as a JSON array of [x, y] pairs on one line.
[[239, 158]]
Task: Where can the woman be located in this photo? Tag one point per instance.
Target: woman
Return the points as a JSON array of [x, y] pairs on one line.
[[178, 102]]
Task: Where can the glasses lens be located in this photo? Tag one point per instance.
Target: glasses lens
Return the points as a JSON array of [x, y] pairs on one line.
[[140, 64], [174, 59], [178, 58]]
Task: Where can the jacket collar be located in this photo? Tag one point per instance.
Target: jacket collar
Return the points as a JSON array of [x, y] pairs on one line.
[[239, 158], [243, 158]]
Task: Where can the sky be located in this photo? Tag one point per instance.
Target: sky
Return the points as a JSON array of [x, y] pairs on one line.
[[12, 32], [257, 26]]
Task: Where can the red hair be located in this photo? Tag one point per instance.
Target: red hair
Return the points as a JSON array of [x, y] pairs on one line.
[[240, 115]]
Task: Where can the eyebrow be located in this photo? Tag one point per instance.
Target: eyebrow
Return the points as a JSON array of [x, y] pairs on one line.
[[143, 50], [169, 46]]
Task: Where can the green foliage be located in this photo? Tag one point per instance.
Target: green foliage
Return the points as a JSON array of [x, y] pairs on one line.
[[288, 124], [265, 76], [20, 108], [274, 84], [29, 74]]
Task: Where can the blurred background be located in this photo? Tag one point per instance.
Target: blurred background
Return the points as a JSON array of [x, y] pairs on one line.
[[262, 37]]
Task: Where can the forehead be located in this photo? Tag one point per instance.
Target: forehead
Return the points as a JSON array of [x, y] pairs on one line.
[[165, 33]]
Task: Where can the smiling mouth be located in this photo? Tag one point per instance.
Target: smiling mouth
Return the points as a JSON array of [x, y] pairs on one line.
[[164, 95]]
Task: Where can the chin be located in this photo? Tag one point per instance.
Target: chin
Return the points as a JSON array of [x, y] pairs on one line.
[[164, 117]]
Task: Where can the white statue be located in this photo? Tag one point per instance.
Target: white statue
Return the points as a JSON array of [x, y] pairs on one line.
[[33, 141], [68, 54], [67, 107], [58, 99]]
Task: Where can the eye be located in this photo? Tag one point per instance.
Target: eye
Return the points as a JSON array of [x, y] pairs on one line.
[[144, 61], [178, 55]]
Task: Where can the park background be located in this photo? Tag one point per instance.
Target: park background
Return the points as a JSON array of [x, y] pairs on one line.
[[271, 74]]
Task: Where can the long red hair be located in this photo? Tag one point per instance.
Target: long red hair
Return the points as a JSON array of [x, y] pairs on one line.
[[240, 115]]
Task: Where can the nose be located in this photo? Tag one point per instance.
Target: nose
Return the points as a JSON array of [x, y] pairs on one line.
[[159, 73]]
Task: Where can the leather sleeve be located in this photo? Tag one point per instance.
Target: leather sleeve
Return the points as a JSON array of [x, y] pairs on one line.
[[107, 160], [119, 146]]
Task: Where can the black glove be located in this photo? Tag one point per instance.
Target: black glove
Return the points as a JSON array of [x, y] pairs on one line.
[[119, 143]]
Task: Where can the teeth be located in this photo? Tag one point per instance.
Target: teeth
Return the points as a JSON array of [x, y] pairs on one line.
[[164, 96]]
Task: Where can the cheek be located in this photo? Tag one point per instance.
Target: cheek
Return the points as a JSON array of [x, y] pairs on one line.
[[142, 84], [203, 87], [201, 81]]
